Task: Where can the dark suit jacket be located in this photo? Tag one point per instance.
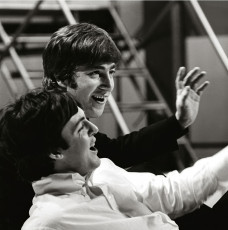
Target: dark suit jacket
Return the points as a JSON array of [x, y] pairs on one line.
[[125, 151]]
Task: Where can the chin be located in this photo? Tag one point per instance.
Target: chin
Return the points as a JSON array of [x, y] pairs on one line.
[[95, 113], [94, 167], [97, 163]]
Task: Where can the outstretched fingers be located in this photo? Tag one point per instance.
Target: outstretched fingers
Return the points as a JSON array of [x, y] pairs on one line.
[[190, 76], [180, 77], [191, 79], [194, 81], [202, 87]]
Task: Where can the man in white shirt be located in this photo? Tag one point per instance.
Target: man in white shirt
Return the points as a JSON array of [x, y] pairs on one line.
[[53, 146], [82, 58]]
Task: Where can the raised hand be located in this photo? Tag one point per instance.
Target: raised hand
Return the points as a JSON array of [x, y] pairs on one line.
[[188, 94]]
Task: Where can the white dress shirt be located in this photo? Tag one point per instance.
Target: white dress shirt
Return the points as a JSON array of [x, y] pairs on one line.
[[114, 199]]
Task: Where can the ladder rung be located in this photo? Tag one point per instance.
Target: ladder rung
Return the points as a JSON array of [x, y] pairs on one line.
[[33, 39]]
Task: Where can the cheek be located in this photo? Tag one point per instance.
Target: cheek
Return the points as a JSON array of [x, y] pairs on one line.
[[85, 89], [85, 82], [112, 84], [82, 96]]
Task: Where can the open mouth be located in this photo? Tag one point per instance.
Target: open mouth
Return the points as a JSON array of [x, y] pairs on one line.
[[99, 99], [92, 148]]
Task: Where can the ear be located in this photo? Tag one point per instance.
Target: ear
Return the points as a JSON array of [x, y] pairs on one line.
[[56, 156], [61, 84]]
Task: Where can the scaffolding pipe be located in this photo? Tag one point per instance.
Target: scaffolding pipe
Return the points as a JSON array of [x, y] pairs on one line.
[[70, 18], [16, 59], [117, 114], [210, 32], [21, 28]]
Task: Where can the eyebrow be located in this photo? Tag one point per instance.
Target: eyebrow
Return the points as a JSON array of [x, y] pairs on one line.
[[101, 67], [79, 121]]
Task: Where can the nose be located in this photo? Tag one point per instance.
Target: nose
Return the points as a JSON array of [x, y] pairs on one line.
[[92, 128], [107, 82]]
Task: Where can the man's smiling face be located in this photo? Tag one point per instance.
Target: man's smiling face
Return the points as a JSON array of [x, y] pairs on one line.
[[94, 85]]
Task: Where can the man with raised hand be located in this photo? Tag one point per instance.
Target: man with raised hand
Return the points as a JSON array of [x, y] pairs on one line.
[[82, 59]]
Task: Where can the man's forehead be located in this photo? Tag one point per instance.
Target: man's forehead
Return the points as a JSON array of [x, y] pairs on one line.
[[73, 123], [102, 66], [79, 116]]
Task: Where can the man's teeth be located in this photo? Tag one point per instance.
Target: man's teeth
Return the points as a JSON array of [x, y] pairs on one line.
[[99, 98]]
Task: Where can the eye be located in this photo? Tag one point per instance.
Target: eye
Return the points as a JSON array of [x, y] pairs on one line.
[[94, 74], [112, 72], [81, 128]]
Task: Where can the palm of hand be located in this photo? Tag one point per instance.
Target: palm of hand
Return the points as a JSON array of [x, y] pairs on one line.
[[187, 105]]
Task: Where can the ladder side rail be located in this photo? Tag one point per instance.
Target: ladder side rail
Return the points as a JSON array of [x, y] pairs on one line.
[[68, 14], [214, 40], [16, 59], [117, 114], [139, 62], [119, 117]]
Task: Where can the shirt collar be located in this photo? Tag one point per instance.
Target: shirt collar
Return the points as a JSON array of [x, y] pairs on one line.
[[59, 183]]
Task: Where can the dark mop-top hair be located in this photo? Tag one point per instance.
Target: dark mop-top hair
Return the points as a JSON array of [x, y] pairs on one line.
[[31, 130], [75, 45]]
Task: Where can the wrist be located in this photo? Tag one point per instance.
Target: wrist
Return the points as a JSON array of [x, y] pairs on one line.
[[180, 121]]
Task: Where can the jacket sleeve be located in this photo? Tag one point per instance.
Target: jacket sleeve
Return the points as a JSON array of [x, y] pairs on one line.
[[142, 145]]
